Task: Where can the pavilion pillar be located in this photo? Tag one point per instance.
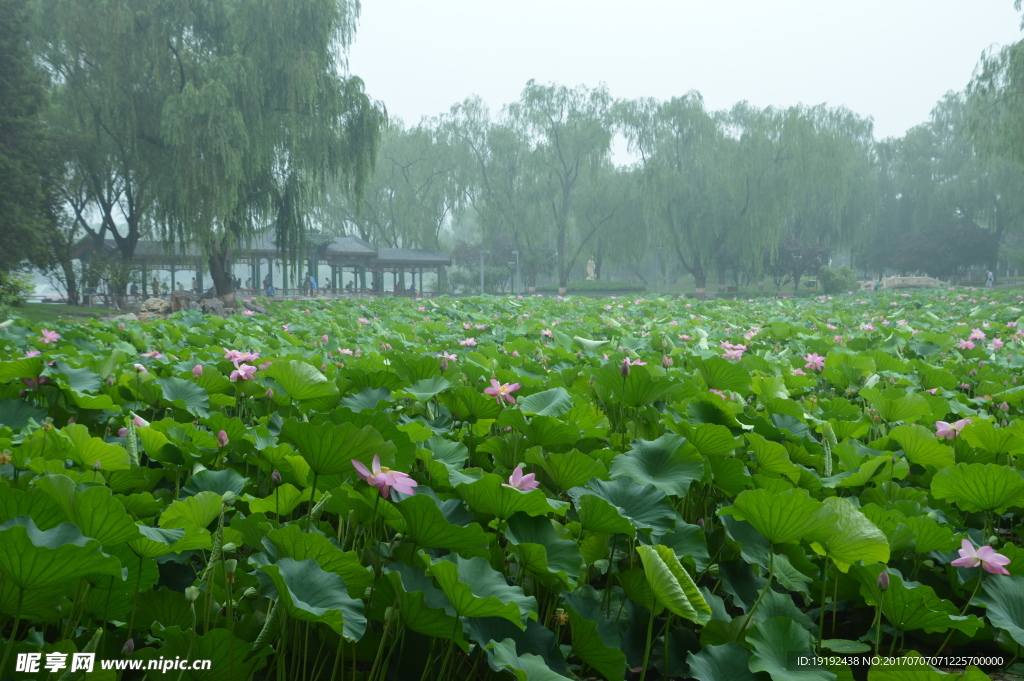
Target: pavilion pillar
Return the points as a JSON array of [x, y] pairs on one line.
[[144, 277], [173, 270]]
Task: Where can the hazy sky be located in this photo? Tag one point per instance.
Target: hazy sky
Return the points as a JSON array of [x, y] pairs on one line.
[[889, 59]]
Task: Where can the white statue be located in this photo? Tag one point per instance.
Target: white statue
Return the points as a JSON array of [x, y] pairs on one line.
[[591, 268]]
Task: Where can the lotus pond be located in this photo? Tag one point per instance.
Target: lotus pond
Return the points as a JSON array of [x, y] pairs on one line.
[[535, 488]]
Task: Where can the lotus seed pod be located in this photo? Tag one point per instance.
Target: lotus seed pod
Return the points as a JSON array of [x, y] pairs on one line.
[[192, 594]]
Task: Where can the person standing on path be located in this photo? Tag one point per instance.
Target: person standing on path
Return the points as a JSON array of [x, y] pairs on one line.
[[990, 279]]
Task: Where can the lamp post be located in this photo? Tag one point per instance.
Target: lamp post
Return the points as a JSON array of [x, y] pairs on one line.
[[482, 254], [519, 277]]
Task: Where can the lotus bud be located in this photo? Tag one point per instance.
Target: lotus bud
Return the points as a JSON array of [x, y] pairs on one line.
[[128, 648], [444, 364], [883, 580], [700, 522], [96, 465], [144, 334], [228, 498], [250, 594], [625, 368], [121, 432], [110, 380], [972, 373], [71, 420], [323, 339], [358, 353], [664, 342], [1004, 407], [121, 326], [229, 566], [229, 549], [275, 479], [323, 367], [222, 439], [140, 422], [269, 393], [666, 361], [192, 594], [197, 370]]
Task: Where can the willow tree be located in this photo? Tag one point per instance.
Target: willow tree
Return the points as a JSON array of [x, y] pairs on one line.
[[570, 131], [262, 120], [498, 173]]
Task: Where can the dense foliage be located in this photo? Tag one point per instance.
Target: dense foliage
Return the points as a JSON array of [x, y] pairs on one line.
[[685, 490]]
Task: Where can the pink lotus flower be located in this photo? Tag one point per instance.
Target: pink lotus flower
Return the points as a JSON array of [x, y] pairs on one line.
[[197, 370], [345, 351], [798, 372], [222, 438], [323, 339], [965, 345], [950, 430], [547, 332], [666, 361], [718, 392], [468, 342], [384, 478], [997, 344], [733, 353], [502, 391], [363, 320], [838, 340], [154, 354], [243, 372], [515, 353], [985, 557], [32, 353], [932, 390], [139, 369], [49, 336], [264, 366], [248, 313], [977, 334], [814, 361], [121, 432], [140, 422], [523, 483]]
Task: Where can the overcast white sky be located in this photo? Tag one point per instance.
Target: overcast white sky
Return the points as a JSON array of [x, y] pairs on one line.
[[888, 59]]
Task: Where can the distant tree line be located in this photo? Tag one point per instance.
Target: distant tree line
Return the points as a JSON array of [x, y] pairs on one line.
[[206, 121]]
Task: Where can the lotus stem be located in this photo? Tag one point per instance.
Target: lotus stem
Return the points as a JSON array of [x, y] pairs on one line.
[[760, 596], [647, 648], [14, 630], [974, 593]]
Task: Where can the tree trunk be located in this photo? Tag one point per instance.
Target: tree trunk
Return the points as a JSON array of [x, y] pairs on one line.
[[70, 281], [222, 282], [700, 283]]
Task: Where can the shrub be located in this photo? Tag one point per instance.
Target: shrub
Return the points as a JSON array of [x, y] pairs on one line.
[[14, 291], [837, 280]]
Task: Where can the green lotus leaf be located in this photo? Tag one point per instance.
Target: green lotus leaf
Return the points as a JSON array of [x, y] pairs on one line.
[[710, 439], [163, 607], [154, 542], [595, 638], [475, 590], [185, 394], [311, 594], [666, 463], [217, 482], [291, 542], [920, 446], [785, 517], [34, 502], [96, 513], [227, 653], [555, 402], [622, 506], [721, 374], [535, 639], [909, 606], [729, 475], [329, 449], [525, 667], [194, 513], [427, 388], [37, 559], [542, 431], [87, 451], [857, 539], [895, 405], [726, 662], [15, 414], [672, 585], [774, 640], [542, 552], [930, 536], [425, 609], [427, 527], [773, 457], [567, 469], [488, 496], [283, 500], [300, 380], [467, 404], [980, 487], [1003, 599]]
